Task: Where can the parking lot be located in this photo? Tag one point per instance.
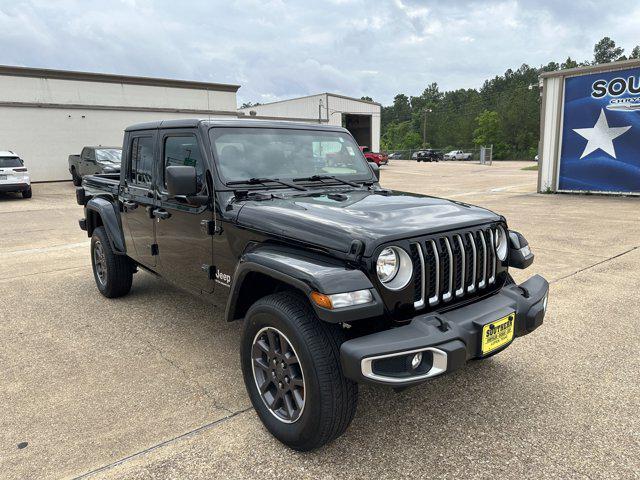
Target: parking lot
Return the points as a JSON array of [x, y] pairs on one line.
[[150, 386]]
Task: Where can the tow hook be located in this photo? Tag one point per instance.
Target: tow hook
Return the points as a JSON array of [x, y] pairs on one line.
[[444, 326]]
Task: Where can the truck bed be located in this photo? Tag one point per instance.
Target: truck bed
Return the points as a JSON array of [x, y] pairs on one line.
[[106, 183]]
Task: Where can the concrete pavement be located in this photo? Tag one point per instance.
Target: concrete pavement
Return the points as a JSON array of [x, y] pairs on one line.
[[149, 385]]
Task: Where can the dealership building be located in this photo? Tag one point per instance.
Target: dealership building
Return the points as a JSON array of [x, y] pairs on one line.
[[47, 115], [360, 117], [590, 129]]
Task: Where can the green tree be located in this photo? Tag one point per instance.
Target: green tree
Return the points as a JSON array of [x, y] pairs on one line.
[[635, 53], [568, 63], [368, 99], [489, 129], [551, 67], [605, 51]]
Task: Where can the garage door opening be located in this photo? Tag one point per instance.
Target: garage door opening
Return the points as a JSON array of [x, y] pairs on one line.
[[360, 128]]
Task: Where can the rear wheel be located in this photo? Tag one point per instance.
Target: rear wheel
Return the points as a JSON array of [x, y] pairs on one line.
[[27, 193], [113, 273], [77, 179], [292, 372]]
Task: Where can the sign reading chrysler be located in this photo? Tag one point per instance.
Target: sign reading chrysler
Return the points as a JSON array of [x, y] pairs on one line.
[[601, 133]]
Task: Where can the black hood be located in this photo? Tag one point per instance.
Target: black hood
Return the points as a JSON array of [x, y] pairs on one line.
[[334, 219]]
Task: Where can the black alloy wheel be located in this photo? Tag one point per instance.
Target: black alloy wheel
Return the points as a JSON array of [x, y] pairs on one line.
[[291, 367], [113, 273], [278, 374], [100, 263]]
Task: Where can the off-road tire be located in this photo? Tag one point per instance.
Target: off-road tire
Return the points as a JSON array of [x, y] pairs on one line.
[[118, 268], [27, 193], [330, 399], [77, 179]]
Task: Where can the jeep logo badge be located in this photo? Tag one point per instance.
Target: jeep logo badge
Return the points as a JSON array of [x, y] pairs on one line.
[[223, 278]]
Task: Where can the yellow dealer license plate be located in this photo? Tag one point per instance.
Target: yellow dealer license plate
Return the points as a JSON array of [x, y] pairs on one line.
[[497, 334]]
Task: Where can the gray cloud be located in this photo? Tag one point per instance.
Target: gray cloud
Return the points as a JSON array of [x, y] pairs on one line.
[[282, 48]]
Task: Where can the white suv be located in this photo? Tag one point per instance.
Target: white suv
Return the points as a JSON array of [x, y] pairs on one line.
[[14, 176]]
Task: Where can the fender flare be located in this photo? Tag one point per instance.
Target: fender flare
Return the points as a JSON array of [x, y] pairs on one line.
[[305, 272], [107, 211]]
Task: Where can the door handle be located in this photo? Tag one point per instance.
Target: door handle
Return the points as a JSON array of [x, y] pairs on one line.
[[129, 205], [161, 214]]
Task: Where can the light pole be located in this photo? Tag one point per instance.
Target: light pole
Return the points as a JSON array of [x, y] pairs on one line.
[[320, 104], [424, 126]]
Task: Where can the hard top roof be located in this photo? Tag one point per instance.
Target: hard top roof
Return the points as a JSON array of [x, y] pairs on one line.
[[233, 122]]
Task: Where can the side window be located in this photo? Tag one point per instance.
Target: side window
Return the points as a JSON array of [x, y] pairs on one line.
[[140, 171], [184, 151]]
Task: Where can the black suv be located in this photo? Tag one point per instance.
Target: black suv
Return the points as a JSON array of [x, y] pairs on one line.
[[336, 280], [428, 155]]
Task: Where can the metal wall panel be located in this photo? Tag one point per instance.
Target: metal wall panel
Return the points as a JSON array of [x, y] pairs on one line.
[[44, 120], [45, 137], [333, 106]]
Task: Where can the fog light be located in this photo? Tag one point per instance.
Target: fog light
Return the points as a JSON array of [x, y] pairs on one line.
[[416, 360], [544, 304]]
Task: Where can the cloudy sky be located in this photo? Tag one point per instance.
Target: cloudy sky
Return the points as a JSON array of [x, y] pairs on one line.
[[279, 49]]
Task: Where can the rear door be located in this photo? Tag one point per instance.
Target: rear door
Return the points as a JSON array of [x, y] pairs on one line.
[[89, 164], [83, 164], [185, 249], [138, 197]]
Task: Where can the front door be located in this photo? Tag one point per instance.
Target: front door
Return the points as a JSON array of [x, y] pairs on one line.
[[138, 199], [185, 249]]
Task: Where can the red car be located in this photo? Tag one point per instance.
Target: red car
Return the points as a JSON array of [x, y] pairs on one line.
[[377, 158]]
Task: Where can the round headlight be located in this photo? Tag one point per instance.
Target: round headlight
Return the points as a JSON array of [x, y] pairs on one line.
[[501, 244], [394, 268], [387, 265]]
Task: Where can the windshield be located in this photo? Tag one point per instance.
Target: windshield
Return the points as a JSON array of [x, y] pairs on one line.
[[10, 162], [110, 155], [245, 153]]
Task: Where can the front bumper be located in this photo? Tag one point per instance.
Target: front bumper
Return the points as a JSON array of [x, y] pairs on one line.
[[447, 340], [14, 187]]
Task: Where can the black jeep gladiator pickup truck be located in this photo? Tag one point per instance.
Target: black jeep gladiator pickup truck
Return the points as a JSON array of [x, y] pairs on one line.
[[337, 280]]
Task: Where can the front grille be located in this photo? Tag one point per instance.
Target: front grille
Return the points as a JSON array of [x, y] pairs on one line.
[[453, 266]]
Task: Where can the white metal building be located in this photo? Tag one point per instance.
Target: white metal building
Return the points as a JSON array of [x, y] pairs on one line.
[[360, 117], [590, 129], [46, 115]]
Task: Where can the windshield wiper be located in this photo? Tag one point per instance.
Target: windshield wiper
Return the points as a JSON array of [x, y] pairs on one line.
[[319, 178], [259, 180]]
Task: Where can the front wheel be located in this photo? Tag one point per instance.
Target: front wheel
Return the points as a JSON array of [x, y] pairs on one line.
[[292, 372], [113, 273]]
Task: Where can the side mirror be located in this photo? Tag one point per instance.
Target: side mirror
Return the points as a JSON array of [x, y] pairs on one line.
[[181, 180], [375, 169]]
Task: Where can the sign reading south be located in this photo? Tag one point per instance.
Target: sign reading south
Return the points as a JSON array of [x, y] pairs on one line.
[[601, 133]]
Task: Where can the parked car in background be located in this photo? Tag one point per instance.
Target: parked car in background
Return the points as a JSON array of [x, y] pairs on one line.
[[395, 156], [14, 176], [457, 155], [377, 158], [94, 160], [427, 155]]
